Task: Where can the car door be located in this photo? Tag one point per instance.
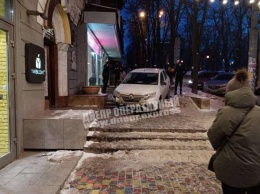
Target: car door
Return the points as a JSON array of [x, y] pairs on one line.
[[164, 85]]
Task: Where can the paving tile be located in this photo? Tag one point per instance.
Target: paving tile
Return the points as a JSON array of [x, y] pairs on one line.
[[168, 182]]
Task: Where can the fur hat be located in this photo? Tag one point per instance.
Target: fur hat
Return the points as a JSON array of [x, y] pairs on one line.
[[240, 80]]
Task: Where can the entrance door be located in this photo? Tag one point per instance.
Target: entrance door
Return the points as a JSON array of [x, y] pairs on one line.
[[7, 114]]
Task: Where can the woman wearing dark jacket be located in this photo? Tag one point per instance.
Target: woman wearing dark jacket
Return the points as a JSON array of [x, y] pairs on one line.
[[237, 165]]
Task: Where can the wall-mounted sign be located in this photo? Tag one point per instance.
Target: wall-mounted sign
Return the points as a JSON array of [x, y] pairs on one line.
[[34, 63]]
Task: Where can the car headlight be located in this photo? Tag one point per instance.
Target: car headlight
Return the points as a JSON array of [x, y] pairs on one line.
[[150, 95], [116, 94]]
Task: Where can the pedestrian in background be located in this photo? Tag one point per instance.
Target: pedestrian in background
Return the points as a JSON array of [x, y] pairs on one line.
[[118, 70], [237, 164], [180, 71], [105, 75], [170, 72], [122, 75]]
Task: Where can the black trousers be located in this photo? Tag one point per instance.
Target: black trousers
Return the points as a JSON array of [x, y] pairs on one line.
[[233, 190], [105, 82], [117, 78], [178, 80]]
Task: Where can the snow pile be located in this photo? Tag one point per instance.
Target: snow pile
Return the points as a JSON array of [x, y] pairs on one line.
[[69, 114], [60, 155]]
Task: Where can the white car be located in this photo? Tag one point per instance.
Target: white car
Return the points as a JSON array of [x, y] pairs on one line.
[[143, 89]]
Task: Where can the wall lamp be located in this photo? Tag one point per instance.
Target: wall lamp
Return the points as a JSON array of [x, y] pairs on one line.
[[32, 12]]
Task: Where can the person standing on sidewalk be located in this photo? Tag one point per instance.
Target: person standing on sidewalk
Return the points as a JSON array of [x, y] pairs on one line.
[[180, 71], [237, 164], [105, 75]]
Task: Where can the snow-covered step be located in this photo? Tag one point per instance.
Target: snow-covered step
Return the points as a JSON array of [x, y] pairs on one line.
[[99, 147], [116, 136], [142, 129]]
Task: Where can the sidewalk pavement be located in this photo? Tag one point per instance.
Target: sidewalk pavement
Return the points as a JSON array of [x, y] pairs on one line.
[[118, 175], [147, 171], [38, 172]]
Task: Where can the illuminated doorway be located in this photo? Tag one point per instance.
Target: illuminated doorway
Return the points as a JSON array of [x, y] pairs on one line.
[[7, 126]]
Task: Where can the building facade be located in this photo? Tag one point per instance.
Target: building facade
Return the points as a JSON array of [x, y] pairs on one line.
[[48, 51]]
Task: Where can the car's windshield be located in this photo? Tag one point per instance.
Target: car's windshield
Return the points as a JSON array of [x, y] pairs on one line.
[[223, 77], [141, 78]]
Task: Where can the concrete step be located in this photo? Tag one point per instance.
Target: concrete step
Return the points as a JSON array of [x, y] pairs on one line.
[[97, 136], [110, 89], [101, 147], [109, 102], [108, 106], [142, 129]]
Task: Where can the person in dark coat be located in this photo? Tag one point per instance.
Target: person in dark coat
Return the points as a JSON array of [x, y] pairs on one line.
[[180, 70], [237, 165], [118, 70], [170, 73], [105, 75]]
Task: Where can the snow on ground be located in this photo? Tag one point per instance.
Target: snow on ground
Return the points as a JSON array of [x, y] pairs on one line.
[[145, 159], [69, 114], [61, 155], [216, 102]]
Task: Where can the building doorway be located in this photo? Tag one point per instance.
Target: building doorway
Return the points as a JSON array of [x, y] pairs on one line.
[[50, 88], [7, 105]]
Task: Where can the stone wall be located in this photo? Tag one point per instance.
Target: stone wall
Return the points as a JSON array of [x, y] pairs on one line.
[[30, 99]]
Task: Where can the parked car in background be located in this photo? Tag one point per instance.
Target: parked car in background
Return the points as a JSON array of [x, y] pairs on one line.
[[203, 76], [143, 88], [217, 85]]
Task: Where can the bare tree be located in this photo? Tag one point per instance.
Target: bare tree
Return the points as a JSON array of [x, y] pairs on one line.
[[174, 9], [196, 12]]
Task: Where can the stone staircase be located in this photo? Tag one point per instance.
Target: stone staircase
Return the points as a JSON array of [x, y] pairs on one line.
[[100, 141], [109, 103], [177, 134]]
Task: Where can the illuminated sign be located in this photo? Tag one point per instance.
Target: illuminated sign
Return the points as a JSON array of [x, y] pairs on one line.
[[34, 63], [92, 42]]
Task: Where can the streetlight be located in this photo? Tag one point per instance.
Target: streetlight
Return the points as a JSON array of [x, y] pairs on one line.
[[158, 54], [161, 13], [142, 16]]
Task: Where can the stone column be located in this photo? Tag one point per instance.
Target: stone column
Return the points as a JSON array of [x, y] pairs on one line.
[[62, 69]]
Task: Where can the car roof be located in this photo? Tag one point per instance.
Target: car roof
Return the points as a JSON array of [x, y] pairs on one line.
[[149, 70]]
